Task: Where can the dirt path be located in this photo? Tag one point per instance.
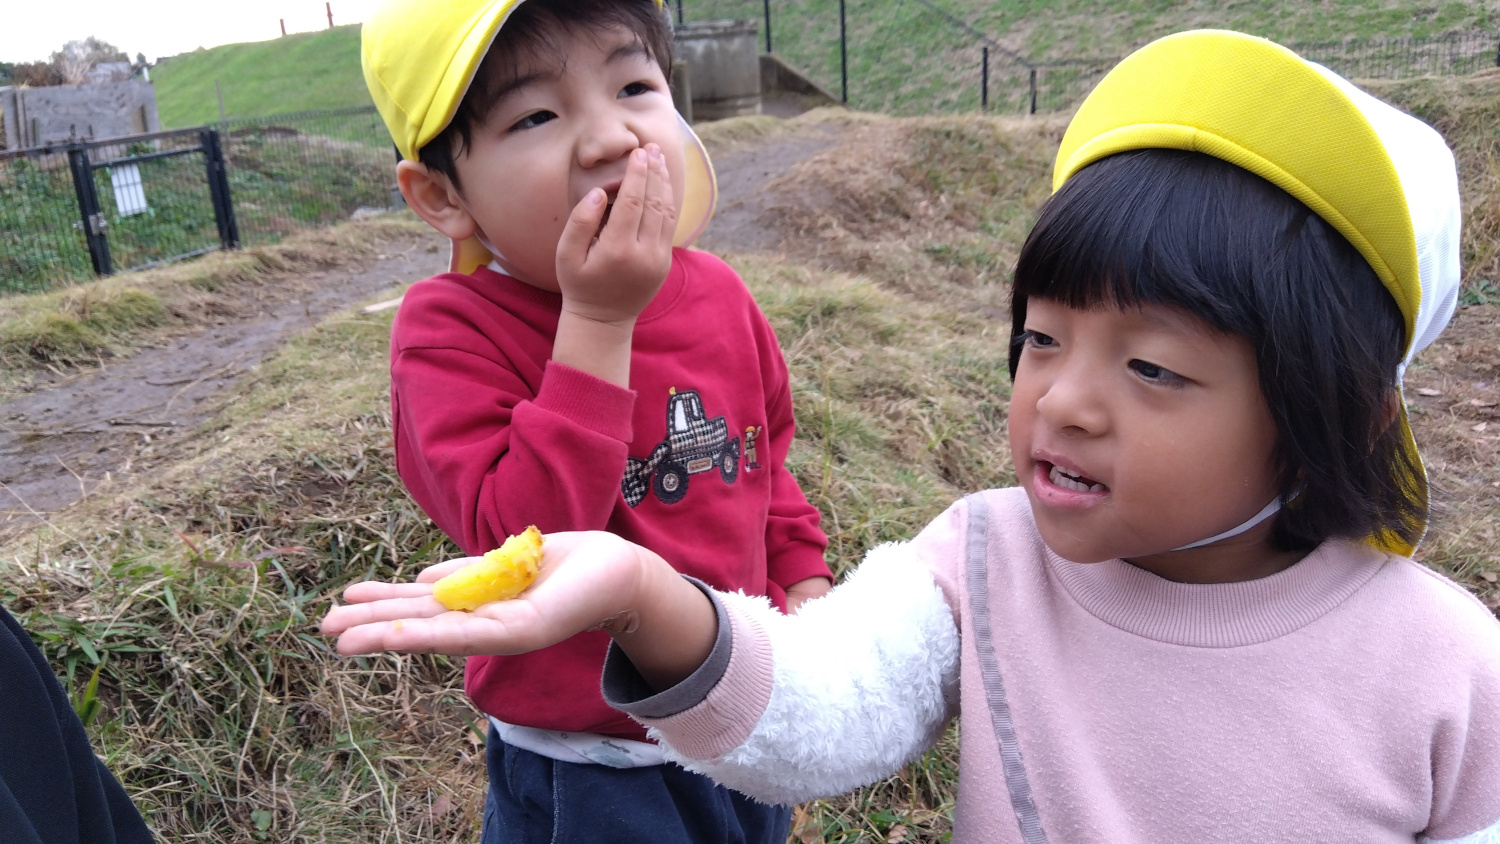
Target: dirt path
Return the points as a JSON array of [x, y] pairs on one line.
[[740, 222], [72, 434]]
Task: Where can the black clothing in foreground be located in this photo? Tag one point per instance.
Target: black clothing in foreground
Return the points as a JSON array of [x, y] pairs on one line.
[[53, 790]]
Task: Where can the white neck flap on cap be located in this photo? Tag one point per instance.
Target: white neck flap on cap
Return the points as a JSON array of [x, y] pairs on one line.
[[1429, 179]]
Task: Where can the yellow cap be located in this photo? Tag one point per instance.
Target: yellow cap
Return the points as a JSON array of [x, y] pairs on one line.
[[419, 57], [1382, 178]]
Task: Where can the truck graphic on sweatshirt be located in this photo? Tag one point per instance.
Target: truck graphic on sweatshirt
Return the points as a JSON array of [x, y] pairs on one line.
[[694, 444]]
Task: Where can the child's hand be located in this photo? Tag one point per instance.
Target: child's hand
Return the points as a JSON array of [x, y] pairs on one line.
[[609, 275], [803, 591], [586, 580]]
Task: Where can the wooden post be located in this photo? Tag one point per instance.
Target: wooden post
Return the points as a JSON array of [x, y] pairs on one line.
[[283, 27], [329, 7], [682, 89]]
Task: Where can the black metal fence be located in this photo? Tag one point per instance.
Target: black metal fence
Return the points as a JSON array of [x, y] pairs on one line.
[[72, 211], [915, 57], [1051, 86]]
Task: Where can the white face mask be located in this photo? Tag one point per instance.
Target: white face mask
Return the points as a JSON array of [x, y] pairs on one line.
[[1266, 512]]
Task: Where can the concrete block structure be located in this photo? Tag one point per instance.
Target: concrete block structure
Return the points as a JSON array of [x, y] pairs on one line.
[[723, 69], [35, 117]]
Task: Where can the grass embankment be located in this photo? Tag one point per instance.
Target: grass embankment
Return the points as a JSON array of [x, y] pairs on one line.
[[195, 595], [905, 58], [299, 72], [112, 317]]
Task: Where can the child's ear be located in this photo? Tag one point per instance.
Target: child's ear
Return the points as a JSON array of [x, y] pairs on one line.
[[435, 199], [1388, 412]]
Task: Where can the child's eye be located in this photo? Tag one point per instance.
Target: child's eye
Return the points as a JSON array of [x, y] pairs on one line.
[[1037, 340], [1154, 373], [531, 121], [635, 89]]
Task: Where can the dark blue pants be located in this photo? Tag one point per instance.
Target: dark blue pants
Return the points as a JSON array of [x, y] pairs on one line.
[[536, 800]]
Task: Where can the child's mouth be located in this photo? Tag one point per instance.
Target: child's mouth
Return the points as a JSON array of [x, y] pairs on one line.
[[1071, 480]]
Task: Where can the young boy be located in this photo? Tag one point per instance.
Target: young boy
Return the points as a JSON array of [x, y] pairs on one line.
[[575, 371]]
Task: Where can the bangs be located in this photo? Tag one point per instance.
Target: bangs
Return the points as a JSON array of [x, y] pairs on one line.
[[532, 36], [1159, 227]]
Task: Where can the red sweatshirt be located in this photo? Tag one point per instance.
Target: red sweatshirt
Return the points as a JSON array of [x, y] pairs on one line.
[[491, 437]]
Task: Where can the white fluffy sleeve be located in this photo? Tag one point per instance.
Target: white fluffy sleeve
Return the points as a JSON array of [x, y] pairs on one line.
[[864, 680]]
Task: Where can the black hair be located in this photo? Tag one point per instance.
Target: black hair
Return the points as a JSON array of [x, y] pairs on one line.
[[531, 30], [1189, 231]]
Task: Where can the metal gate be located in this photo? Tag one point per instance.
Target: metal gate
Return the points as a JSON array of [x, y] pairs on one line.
[[148, 199]]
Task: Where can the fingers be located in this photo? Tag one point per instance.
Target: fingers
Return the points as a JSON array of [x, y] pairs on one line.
[[659, 224], [645, 204], [578, 233], [434, 573], [367, 591], [417, 635], [388, 608]]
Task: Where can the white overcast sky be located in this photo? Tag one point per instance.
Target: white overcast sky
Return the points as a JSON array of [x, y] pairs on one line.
[[32, 30]]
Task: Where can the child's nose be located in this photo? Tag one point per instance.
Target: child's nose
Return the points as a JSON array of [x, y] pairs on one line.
[[606, 139], [1073, 404]]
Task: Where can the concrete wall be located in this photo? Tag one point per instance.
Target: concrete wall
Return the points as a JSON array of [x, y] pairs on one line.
[[36, 117], [723, 70], [778, 76]]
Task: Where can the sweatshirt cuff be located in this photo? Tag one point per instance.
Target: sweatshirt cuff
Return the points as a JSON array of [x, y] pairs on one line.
[[584, 400], [627, 691]]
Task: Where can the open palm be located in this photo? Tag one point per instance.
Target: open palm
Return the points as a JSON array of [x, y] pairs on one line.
[[585, 578]]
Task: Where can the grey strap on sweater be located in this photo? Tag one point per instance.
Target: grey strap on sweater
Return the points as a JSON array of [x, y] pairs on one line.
[[989, 670]]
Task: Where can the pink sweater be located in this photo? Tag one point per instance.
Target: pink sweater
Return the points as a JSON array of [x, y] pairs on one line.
[[1352, 697]]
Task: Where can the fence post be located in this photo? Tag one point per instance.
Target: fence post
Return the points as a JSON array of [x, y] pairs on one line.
[[91, 219], [768, 25], [843, 55], [984, 78], [1031, 84], [679, 12], [218, 189]]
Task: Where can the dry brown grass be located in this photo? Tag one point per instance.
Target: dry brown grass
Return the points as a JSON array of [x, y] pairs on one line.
[[113, 316], [1466, 110], [926, 206], [225, 712]]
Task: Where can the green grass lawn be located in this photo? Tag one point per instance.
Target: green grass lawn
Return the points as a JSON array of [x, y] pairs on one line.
[[296, 73], [907, 58], [903, 57]]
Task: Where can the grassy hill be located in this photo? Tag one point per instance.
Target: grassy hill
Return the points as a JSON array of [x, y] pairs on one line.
[[908, 58], [295, 73], [1058, 29], [904, 57]]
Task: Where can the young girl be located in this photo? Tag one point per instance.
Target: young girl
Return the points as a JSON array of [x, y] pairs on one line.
[[1196, 620]]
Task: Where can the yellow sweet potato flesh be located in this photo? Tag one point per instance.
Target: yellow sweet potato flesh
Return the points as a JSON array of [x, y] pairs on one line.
[[500, 575]]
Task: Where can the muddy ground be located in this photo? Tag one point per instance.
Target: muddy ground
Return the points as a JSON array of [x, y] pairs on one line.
[[73, 434]]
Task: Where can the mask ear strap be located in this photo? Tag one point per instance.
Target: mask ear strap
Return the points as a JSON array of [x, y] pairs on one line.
[[1266, 512]]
